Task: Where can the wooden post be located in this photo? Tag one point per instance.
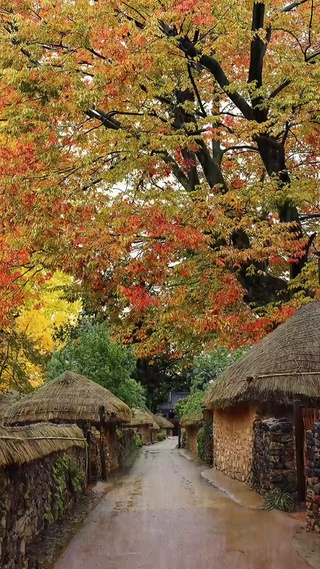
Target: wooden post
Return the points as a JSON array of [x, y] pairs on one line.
[[88, 452], [179, 435], [102, 454], [299, 443]]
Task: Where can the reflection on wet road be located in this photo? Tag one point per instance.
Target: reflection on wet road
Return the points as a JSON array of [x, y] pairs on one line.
[[164, 516]]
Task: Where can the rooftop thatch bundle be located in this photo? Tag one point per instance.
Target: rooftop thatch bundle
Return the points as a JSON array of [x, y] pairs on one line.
[[191, 419], [70, 398], [7, 399], [19, 445], [162, 422], [143, 417], [284, 366]]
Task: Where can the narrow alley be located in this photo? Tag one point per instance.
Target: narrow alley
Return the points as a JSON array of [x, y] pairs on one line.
[[163, 516]]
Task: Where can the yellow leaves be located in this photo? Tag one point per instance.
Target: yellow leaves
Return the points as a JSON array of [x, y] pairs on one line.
[[45, 311]]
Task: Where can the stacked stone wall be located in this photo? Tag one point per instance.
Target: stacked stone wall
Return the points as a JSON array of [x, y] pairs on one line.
[[313, 478], [273, 464], [144, 432], [127, 449], [30, 500], [233, 441], [111, 448]]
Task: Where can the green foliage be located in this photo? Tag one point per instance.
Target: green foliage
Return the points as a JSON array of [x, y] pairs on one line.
[[159, 377], [191, 405], [204, 442], [277, 500], [161, 437], [64, 472], [137, 440], [96, 356], [209, 365]]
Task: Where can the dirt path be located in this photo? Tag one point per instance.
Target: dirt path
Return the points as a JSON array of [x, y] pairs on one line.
[[163, 516]]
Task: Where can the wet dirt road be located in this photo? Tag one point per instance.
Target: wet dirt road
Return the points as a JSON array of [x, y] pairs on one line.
[[164, 516]]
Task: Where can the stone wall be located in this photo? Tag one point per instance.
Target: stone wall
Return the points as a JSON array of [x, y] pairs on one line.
[[313, 478], [111, 448], [127, 449], [32, 496], [273, 464], [192, 438], [144, 432], [233, 441]]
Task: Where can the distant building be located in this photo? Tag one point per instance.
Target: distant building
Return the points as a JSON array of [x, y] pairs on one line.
[[167, 409]]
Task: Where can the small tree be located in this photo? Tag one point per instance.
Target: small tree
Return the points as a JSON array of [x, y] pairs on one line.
[[106, 362], [209, 365]]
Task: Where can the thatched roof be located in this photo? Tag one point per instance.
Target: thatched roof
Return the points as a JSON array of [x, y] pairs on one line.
[[143, 417], [68, 398], [284, 366], [191, 419], [19, 445], [7, 399], [162, 422]]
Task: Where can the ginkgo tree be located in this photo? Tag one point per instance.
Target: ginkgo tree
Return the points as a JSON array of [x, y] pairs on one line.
[[177, 144], [27, 344]]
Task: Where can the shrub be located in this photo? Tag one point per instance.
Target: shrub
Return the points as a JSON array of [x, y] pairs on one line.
[[161, 437], [277, 500], [137, 440], [205, 443]]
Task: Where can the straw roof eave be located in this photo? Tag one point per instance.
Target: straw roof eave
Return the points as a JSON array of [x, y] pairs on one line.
[[283, 367], [20, 445], [191, 419], [143, 417], [70, 398], [162, 422]]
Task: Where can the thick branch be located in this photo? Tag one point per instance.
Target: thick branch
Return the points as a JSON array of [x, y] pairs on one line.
[[211, 168], [211, 64], [257, 53], [293, 5]]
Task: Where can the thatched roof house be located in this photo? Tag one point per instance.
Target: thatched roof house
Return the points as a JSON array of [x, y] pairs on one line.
[[70, 398], [19, 445], [144, 424], [280, 370], [7, 398], [284, 366], [141, 417], [191, 419], [163, 422]]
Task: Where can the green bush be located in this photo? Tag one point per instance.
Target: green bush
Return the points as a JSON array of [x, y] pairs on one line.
[[161, 437], [205, 442], [102, 360], [191, 405], [277, 500], [137, 440]]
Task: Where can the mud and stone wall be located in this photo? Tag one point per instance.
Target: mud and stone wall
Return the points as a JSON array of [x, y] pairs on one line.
[[233, 441], [144, 432], [273, 464], [192, 438], [127, 448], [33, 496], [313, 478], [111, 448]]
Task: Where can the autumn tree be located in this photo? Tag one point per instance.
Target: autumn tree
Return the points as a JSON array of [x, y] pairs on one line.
[[177, 141], [27, 343]]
